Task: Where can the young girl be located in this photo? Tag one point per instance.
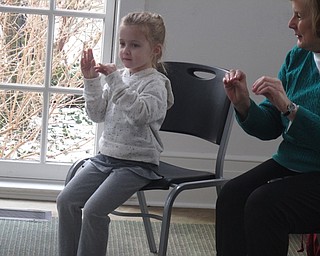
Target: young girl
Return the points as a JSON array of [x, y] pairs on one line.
[[132, 104]]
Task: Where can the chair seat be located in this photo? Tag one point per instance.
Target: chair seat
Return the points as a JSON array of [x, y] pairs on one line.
[[175, 175]]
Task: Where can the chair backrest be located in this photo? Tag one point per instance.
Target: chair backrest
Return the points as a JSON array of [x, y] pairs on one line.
[[201, 107]]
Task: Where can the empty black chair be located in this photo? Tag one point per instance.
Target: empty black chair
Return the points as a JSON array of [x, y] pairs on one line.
[[201, 109]]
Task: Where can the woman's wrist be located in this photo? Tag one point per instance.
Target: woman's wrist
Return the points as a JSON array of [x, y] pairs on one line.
[[291, 110], [243, 109], [293, 113]]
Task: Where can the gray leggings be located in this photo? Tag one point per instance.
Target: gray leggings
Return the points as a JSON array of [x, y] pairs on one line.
[[84, 205]]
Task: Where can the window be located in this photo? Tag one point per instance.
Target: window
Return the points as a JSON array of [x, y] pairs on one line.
[[43, 124]]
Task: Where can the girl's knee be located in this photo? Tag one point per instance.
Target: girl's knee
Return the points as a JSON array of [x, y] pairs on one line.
[[62, 200]]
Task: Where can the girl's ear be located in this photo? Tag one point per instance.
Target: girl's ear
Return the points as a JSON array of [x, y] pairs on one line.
[[157, 50]]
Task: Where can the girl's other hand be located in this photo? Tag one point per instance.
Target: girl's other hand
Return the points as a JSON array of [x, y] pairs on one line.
[[105, 69]]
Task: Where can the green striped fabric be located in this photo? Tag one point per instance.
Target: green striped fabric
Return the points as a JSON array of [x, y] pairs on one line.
[[126, 238]]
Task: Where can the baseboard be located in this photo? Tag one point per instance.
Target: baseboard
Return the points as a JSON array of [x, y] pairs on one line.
[[29, 189]]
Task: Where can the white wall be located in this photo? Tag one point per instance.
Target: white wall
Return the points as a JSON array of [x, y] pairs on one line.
[[248, 34], [251, 35]]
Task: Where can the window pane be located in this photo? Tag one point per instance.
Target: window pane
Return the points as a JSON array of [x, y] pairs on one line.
[[71, 36], [86, 5], [42, 115], [20, 124], [70, 132], [22, 48], [30, 3]]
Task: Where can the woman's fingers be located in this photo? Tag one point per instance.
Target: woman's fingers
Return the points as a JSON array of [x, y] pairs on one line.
[[267, 84]]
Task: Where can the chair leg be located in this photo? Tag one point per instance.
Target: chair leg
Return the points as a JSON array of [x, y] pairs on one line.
[[146, 222], [167, 211]]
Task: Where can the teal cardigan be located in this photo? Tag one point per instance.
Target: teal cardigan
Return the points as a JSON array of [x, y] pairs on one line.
[[300, 147]]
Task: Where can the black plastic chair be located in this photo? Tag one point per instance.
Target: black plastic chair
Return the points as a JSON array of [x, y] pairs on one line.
[[201, 109]]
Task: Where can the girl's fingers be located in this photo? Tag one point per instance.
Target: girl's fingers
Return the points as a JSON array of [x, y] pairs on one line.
[[87, 55], [90, 54]]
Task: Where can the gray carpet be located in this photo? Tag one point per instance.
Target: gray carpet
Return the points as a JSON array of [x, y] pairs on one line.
[[127, 238]]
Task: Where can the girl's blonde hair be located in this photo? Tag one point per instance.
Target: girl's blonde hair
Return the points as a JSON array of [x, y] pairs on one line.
[[152, 25]]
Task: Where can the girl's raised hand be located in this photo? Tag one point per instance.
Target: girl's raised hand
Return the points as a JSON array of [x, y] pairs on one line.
[[88, 65]]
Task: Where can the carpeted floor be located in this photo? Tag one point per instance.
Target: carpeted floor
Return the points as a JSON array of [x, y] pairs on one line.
[[127, 238]]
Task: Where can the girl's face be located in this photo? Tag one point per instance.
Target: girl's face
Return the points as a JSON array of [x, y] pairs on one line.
[[301, 24], [136, 53]]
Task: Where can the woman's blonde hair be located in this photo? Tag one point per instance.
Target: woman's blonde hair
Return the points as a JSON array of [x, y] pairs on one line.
[[152, 25], [314, 6]]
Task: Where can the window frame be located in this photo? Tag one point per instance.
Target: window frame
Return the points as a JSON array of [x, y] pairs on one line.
[[43, 170]]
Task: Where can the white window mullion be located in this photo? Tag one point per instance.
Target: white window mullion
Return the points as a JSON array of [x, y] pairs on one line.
[[111, 21], [46, 95], [110, 28]]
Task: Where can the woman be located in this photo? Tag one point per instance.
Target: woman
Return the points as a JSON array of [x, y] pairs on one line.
[[257, 210]]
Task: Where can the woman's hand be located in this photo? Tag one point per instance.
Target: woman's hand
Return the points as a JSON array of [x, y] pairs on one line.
[[273, 90], [88, 64], [236, 89]]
